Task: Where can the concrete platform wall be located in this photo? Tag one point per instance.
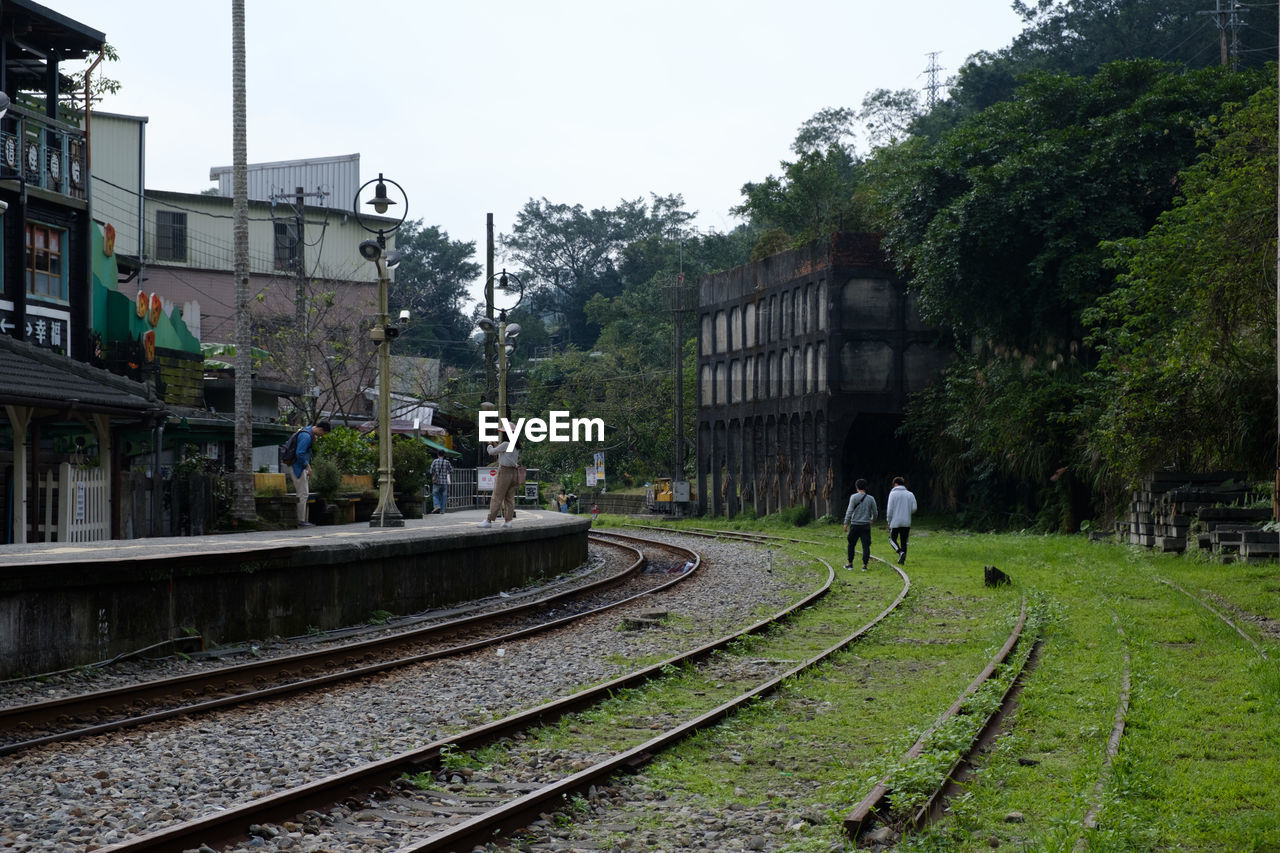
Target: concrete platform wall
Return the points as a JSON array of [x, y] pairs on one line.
[[72, 613]]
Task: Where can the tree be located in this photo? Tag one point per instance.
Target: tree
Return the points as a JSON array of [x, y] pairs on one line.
[[1186, 342], [998, 225], [627, 377], [998, 222], [821, 190], [431, 283], [1079, 37], [330, 357], [567, 254]]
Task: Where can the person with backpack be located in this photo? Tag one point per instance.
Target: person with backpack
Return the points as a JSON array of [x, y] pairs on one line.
[[857, 523], [297, 455]]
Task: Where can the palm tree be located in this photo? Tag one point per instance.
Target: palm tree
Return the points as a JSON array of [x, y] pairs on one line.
[[243, 508]]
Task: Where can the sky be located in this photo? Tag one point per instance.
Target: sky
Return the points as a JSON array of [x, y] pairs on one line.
[[476, 108]]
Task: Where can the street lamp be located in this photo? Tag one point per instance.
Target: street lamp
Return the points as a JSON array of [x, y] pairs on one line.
[[506, 333], [375, 251]]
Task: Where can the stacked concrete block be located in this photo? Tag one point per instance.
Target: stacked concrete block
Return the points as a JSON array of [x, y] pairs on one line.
[[1162, 512]]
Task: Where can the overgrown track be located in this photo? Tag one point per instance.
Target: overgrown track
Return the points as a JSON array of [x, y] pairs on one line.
[[23, 727], [377, 782], [872, 806]]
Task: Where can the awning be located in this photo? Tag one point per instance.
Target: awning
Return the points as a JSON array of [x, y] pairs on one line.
[[429, 443]]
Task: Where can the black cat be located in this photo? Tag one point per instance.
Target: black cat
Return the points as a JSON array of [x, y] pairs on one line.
[[991, 576]]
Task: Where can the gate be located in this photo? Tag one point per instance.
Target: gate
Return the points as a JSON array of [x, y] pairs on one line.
[[84, 504]]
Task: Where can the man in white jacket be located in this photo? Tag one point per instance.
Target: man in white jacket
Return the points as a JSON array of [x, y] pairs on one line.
[[897, 512]]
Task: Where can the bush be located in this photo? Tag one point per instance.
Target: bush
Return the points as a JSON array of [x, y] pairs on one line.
[[352, 451], [411, 464], [326, 479], [795, 516]]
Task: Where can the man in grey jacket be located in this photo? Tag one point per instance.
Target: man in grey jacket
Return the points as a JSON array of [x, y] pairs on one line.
[[897, 511], [857, 523]]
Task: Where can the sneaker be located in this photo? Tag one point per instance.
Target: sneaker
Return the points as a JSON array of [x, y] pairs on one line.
[[486, 523], [848, 567], [305, 524], [864, 567], [506, 524], [902, 559]]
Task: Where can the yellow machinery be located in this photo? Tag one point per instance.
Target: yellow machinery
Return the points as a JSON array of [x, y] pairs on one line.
[[666, 496]]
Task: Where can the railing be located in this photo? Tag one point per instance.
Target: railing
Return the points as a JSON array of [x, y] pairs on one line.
[[43, 152], [463, 493]]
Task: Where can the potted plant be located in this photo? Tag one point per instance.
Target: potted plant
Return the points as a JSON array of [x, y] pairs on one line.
[[354, 454], [411, 469], [326, 479]]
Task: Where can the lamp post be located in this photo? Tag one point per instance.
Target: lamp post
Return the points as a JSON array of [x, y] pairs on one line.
[[505, 332], [375, 251]]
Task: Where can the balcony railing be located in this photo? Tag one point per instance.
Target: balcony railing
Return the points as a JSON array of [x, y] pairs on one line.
[[43, 152]]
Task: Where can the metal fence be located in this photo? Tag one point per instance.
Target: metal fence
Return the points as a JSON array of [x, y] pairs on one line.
[[464, 494]]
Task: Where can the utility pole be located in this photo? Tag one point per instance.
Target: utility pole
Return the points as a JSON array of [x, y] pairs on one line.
[[489, 379], [1227, 20], [679, 306], [243, 507], [301, 307]]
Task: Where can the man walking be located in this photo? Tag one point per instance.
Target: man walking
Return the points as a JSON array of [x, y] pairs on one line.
[[301, 469], [441, 474], [857, 523], [897, 512]]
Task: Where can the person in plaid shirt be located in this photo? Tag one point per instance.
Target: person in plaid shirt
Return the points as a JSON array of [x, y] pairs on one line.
[[441, 474]]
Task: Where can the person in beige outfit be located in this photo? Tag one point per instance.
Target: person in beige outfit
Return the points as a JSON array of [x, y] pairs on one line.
[[504, 489]]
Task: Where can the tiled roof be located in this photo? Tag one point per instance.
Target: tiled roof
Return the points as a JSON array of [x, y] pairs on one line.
[[38, 377]]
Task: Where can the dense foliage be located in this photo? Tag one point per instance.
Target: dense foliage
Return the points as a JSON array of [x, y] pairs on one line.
[[1187, 367], [1089, 214], [1006, 226], [431, 283], [627, 378]]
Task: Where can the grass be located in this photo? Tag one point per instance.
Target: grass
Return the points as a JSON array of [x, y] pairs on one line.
[[1196, 769]]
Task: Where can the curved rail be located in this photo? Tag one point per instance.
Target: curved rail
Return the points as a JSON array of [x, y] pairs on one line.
[[231, 678], [869, 808], [230, 823], [523, 810]]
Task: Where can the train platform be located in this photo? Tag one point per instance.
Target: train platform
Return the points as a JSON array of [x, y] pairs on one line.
[[66, 604], [462, 525]]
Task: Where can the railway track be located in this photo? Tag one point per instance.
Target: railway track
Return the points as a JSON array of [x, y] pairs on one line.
[[386, 787], [24, 727]]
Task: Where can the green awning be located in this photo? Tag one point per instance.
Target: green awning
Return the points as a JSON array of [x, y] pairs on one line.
[[429, 443]]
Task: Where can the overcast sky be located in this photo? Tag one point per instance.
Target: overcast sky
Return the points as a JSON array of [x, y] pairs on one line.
[[476, 107]]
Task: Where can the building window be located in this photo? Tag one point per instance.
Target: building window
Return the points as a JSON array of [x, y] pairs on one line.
[[171, 236], [46, 273], [286, 247]]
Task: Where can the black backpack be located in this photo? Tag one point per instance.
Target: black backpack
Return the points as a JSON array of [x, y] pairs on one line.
[[289, 450]]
